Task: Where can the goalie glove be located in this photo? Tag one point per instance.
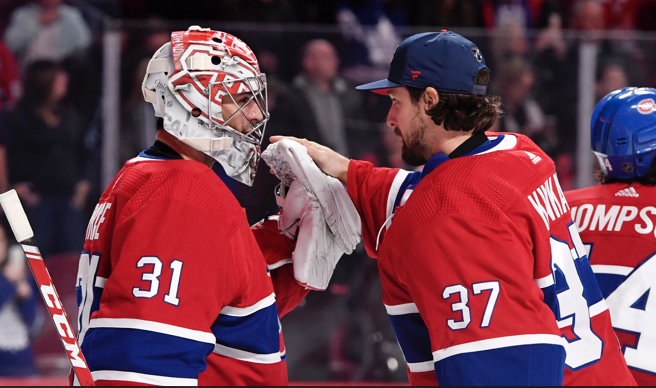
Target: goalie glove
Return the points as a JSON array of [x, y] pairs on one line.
[[328, 222], [315, 253]]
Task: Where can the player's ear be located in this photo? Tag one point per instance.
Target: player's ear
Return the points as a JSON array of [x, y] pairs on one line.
[[431, 97]]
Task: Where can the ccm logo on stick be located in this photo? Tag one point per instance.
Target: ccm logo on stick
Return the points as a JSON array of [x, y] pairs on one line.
[[61, 322]]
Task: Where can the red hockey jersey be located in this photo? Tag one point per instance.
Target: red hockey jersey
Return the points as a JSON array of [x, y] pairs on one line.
[[616, 224], [172, 286], [484, 276]]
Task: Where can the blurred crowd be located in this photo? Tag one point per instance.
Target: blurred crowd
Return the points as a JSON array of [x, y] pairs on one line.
[[50, 120]]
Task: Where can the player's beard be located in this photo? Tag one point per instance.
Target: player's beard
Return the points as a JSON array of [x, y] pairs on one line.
[[416, 150]]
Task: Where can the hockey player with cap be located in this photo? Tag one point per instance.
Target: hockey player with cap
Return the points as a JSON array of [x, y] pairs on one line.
[[616, 221], [174, 288], [484, 276]]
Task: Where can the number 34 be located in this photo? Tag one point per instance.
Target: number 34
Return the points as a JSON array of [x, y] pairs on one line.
[[153, 278]]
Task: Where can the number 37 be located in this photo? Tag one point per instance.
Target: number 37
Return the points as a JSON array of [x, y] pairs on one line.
[[461, 306]]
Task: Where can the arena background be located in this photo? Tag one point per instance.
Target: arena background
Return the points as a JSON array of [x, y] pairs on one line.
[[551, 61]]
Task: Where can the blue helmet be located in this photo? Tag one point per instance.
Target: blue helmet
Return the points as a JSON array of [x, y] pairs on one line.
[[623, 131]]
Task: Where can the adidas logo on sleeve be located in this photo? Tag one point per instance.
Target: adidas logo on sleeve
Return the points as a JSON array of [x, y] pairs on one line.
[[628, 192], [534, 158]]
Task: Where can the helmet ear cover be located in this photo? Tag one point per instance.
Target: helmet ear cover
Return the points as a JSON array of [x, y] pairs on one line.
[[623, 133], [187, 82]]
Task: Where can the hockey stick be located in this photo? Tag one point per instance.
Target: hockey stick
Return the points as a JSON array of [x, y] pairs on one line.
[[25, 236]]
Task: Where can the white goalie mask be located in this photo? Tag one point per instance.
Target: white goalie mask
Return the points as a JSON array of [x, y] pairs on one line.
[[188, 81]]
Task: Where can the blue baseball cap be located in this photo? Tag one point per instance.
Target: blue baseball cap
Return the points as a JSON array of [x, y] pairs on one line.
[[443, 60]]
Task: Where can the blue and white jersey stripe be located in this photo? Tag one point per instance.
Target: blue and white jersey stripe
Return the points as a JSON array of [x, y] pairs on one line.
[[251, 333], [145, 351], [412, 335]]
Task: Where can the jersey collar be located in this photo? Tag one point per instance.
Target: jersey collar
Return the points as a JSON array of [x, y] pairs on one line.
[[477, 144], [160, 150]]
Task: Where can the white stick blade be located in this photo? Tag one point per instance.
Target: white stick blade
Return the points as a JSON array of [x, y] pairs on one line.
[[16, 215]]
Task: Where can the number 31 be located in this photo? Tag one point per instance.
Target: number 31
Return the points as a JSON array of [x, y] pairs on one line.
[[153, 278]]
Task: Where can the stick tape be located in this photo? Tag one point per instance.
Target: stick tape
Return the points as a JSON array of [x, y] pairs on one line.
[[16, 215]]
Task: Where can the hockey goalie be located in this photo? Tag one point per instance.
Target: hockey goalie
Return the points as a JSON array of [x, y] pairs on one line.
[[174, 287]]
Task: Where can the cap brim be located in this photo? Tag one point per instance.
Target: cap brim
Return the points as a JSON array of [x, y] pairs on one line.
[[379, 87]]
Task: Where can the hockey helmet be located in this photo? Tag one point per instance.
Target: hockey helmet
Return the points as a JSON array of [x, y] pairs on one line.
[[623, 131], [188, 80]]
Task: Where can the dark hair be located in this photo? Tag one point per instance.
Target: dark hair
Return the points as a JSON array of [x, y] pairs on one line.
[[38, 82], [462, 112], [648, 180], [159, 123]]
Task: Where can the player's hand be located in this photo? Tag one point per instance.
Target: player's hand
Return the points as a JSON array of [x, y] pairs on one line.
[[329, 161]]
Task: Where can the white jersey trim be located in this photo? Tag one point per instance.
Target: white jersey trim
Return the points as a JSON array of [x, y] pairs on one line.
[[612, 269], [246, 311], [394, 191], [498, 343], [545, 282], [565, 322], [115, 375], [402, 309], [598, 308], [418, 367], [242, 355], [279, 264], [100, 282], [156, 327], [593, 311], [141, 159], [509, 142]]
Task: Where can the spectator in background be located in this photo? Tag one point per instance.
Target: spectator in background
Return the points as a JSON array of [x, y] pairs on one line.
[[10, 90], [448, 13], [510, 41], [330, 109], [499, 13], [47, 159], [138, 125], [610, 77], [47, 30], [588, 15], [18, 312], [522, 114]]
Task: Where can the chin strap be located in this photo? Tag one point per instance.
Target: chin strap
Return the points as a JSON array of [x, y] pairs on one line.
[[205, 144]]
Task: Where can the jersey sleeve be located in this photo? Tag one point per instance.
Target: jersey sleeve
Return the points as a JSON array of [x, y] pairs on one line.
[[484, 314], [410, 329], [174, 268], [375, 193], [277, 250]]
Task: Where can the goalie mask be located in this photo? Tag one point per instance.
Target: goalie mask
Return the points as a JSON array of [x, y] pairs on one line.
[[190, 79]]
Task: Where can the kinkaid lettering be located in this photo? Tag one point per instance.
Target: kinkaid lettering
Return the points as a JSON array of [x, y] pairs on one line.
[[549, 203]]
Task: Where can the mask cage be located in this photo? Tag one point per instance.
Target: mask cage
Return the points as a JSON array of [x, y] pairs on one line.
[[257, 88]]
